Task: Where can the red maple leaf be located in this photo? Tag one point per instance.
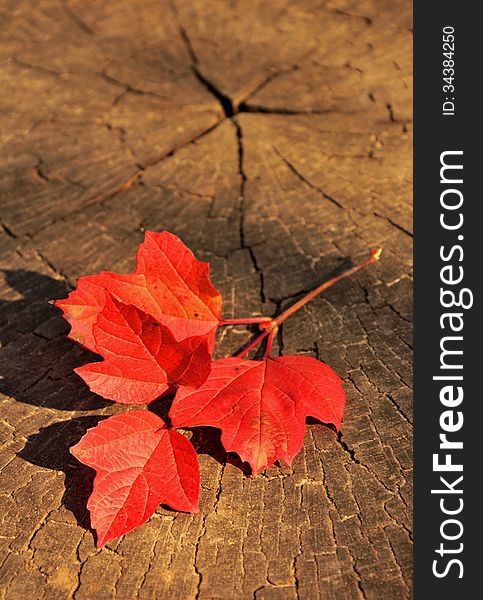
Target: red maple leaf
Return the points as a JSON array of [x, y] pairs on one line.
[[169, 284], [141, 356], [261, 405], [139, 465], [155, 328]]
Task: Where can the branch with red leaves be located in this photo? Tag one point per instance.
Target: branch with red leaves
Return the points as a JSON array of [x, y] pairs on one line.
[[155, 331]]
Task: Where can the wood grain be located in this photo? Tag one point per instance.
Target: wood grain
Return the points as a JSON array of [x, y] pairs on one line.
[[275, 139]]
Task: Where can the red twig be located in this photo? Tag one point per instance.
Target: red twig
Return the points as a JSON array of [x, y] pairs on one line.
[[254, 343], [374, 256], [269, 326], [244, 321]]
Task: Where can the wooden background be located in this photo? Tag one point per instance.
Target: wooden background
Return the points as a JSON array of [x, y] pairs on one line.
[[275, 139]]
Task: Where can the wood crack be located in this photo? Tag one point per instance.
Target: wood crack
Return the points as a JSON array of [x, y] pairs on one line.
[[215, 125]]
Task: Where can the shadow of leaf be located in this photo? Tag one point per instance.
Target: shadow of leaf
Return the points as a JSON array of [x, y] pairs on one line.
[[205, 440], [36, 358], [49, 448]]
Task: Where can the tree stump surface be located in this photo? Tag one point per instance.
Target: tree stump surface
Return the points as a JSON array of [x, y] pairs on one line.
[[274, 139]]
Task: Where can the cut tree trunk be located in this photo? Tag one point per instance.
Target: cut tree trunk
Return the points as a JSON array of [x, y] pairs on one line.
[[275, 139]]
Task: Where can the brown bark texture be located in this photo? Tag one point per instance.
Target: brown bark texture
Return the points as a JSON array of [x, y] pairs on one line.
[[275, 139]]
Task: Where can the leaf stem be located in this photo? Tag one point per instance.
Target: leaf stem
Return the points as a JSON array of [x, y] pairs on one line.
[[269, 326], [374, 256], [271, 337], [252, 344], [245, 321]]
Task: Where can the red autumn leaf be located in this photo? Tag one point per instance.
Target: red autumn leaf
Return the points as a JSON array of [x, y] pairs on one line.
[[139, 465], [141, 356], [169, 284], [261, 405]]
